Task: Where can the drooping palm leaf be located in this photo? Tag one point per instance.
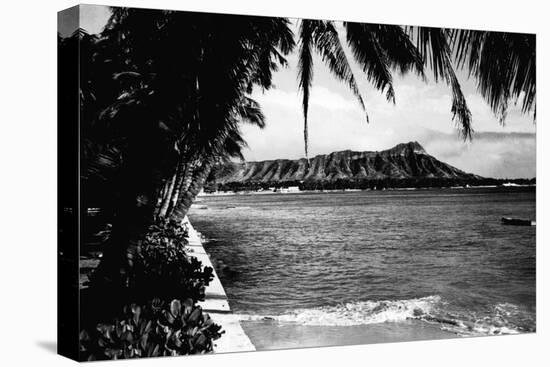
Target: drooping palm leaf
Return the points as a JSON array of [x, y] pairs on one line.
[[250, 112], [433, 44], [368, 52], [274, 42], [504, 65], [305, 71], [322, 37], [232, 146], [327, 43], [400, 51]]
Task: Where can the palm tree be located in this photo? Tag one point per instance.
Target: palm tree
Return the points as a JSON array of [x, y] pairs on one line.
[[229, 148], [182, 86], [227, 145], [194, 167]]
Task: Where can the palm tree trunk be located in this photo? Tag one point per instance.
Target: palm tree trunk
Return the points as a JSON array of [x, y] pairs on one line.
[[167, 197], [191, 167], [185, 173], [187, 179], [187, 197], [160, 196]]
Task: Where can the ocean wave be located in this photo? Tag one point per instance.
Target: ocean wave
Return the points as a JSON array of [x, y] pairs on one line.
[[501, 319], [356, 313]]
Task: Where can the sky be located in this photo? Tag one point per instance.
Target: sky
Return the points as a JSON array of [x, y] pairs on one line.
[[422, 113]]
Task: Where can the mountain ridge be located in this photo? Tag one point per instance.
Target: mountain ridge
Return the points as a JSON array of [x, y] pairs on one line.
[[403, 161]]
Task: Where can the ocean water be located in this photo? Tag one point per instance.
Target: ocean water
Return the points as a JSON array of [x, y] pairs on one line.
[[348, 259]]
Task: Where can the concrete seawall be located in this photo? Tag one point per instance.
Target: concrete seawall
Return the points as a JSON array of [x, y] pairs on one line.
[[215, 304]]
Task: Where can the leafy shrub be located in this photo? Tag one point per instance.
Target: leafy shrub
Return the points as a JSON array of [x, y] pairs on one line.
[[158, 267], [152, 330], [153, 322], [163, 269]]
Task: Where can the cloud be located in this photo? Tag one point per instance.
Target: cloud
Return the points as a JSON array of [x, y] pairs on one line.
[[320, 97], [489, 154]]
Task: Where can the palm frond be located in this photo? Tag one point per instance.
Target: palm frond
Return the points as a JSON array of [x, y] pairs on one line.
[[232, 146], [328, 45], [249, 111], [401, 52], [305, 71], [504, 65], [371, 56], [436, 52]]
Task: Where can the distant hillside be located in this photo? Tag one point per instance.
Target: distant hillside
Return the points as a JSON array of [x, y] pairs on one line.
[[402, 162]]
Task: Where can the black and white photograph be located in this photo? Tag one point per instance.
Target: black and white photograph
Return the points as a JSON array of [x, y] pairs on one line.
[[255, 183]]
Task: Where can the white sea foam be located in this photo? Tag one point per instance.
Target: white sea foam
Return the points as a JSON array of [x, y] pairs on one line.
[[356, 313], [429, 309]]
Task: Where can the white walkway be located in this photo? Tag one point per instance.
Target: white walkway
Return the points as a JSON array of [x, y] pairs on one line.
[[215, 304]]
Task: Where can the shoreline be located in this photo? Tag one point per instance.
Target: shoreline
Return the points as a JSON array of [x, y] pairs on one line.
[[267, 192], [234, 338], [293, 329], [267, 334]]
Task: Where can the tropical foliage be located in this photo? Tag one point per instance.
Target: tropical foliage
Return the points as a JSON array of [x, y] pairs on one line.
[[163, 95], [504, 65], [153, 321], [151, 330], [160, 268]]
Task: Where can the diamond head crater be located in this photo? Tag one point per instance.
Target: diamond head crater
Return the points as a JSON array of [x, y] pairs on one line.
[[406, 165]]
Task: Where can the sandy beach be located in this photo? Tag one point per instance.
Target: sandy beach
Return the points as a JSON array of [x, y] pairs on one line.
[[267, 335]]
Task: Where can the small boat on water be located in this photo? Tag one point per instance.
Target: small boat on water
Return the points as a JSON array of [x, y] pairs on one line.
[[517, 222]]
